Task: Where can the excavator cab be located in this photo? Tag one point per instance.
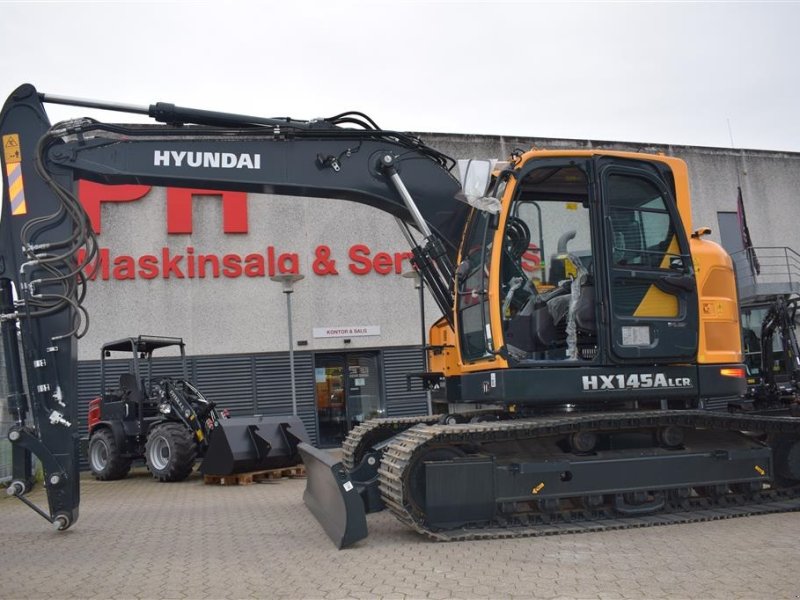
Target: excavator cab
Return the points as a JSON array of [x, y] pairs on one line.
[[574, 230]]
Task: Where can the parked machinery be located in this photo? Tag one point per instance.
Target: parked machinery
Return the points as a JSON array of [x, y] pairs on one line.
[[167, 421], [164, 420], [768, 280], [772, 354], [589, 331]]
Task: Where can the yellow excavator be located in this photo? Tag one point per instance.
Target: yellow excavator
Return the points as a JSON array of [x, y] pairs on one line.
[[589, 346]]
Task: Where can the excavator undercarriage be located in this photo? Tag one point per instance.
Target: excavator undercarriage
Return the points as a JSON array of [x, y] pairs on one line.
[[566, 473]]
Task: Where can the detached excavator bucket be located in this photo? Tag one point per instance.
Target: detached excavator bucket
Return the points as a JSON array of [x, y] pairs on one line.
[[332, 498], [243, 444]]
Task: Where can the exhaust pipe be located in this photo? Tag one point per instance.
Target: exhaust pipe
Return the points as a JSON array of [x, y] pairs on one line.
[[243, 444]]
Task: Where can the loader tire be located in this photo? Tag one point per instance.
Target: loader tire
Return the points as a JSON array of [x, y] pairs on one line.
[[170, 452], [105, 458]]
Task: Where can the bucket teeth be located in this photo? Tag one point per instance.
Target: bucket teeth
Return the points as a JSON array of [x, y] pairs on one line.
[[243, 444]]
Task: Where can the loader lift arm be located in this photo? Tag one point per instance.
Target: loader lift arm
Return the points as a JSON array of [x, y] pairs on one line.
[[44, 226], [780, 320]]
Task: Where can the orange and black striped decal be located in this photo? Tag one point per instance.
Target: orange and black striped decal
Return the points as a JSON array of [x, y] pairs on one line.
[[14, 185]]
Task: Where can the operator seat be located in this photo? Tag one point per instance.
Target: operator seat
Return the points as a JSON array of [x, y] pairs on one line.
[[628, 240], [585, 315], [128, 383], [533, 328]]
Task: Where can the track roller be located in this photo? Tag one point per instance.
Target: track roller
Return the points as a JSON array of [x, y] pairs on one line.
[[670, 436], [583, 442]]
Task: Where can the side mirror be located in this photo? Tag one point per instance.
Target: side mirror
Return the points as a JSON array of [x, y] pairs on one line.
[[475, 176], [701, 232]]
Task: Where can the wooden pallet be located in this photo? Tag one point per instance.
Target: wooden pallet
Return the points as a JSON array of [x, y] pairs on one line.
[[256, 476]]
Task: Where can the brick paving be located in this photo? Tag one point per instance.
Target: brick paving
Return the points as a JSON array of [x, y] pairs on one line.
[[137, 538]]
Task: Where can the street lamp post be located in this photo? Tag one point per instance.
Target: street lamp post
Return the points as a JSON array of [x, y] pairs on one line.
[[419, 284], [288, 280]]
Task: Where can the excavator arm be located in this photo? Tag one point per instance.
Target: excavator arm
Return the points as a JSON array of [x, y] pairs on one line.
[[47, 240]]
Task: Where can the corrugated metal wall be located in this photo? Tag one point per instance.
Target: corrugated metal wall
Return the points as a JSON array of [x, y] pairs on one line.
[[246, 384], [397, 363], [249, 384]]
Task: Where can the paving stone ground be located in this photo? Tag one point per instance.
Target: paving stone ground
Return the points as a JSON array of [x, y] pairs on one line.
[[137, 538]]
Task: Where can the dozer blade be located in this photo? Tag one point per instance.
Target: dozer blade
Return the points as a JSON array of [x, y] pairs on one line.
[[332, 498], [243, 444]]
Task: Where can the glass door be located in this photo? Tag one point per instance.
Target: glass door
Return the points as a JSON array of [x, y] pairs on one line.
[[329, 376], [653, 294], [364, 397], [348, 392]]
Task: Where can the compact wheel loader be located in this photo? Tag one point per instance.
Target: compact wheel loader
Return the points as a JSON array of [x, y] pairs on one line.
[[167, 421]]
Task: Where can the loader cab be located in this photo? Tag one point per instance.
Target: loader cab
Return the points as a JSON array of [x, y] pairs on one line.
[[581, 239], [139, 352]]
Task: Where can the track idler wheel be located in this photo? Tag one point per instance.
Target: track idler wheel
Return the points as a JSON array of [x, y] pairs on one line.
[[583, 442]]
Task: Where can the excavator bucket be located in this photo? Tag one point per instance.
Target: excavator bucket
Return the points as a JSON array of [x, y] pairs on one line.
[[243, 444], [332, 497]]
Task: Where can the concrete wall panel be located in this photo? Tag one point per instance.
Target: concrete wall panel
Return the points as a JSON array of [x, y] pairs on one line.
[[248, 314]]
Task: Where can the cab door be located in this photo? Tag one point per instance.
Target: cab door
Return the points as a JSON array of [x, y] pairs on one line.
[[651, 283]]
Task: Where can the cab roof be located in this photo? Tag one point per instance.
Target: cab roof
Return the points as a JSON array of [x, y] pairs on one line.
[[142, 343]]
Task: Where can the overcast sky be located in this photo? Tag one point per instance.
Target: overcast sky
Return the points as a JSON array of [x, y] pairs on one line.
[[674, 73]]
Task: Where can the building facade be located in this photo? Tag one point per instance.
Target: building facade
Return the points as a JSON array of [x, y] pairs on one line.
[[197, 265]]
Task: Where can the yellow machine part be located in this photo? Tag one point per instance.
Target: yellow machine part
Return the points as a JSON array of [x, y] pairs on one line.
[[657, 303], [442, 356], [719, 328], [719, 331]]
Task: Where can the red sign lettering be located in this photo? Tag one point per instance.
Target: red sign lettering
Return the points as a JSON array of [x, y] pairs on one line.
[[92, 195], [531, 260], [383, 263], [179, 210], [179, 204], [169, 264]]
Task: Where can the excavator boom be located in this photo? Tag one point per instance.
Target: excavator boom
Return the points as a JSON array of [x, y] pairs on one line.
[[46, 239]]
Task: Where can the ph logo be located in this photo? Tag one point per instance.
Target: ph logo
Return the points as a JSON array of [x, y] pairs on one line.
[[179, 205]]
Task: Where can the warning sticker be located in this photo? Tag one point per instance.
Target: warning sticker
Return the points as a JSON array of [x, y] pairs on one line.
[[11, 149], [16, 191]]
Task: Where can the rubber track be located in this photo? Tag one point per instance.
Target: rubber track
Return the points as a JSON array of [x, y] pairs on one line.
[[353, 443], [400, 454]]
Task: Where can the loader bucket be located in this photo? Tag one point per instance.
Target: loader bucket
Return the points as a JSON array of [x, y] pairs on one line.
[[332, 498], [243, 444]]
